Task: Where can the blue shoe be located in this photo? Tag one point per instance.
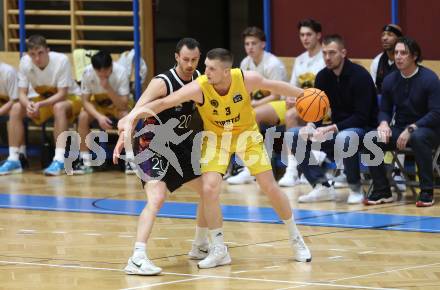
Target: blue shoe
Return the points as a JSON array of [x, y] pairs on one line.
[[55, 168], [10, 167]]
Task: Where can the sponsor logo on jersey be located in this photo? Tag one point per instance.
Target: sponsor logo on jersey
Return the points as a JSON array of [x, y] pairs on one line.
[[229, 121]]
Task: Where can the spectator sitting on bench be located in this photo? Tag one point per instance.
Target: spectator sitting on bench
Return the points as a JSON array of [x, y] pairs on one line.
[[105, 94], [269, 109], [353, 104], [304, 71], [49, 73], [382, 65], [414, 91], [8, 95]]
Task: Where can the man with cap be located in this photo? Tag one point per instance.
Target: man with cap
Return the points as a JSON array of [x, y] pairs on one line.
[[383, 63]]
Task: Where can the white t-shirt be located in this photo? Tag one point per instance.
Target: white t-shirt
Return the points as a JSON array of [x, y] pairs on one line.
[[306, 68], [8, 82], [270, 67], [375, 64], [57, 74], [119, 81]]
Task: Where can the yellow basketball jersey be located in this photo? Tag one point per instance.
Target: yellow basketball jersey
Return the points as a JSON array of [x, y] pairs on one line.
[[232, 112]]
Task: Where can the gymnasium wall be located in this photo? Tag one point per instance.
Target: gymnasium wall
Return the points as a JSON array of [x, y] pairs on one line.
[[358, 21]]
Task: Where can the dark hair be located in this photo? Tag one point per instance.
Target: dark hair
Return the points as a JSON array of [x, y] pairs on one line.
[[36, 41], [255, 32], [412, 46], [190, 43], [221, 54], [101, 60], [333, 38], [310, 23]]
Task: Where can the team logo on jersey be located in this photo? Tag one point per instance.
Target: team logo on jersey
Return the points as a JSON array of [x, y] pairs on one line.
[[214, 103], [237, 98]]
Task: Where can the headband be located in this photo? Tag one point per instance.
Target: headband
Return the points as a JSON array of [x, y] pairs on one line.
[[392, 29]]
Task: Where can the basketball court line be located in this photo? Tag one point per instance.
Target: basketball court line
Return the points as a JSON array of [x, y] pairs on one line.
[[299, 283], [164, 283], [327, 218], [386, 272]]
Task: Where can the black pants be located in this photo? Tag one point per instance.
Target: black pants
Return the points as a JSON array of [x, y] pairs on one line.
[[422, 141]]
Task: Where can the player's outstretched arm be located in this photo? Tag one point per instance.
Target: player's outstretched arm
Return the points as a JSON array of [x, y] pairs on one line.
[[156, 89], [254, 81], [189, 92]]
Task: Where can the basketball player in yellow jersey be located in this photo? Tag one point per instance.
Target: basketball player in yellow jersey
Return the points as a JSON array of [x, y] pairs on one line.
[[223, 101]]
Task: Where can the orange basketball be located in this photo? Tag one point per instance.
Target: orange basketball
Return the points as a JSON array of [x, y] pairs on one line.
[[312, 105]]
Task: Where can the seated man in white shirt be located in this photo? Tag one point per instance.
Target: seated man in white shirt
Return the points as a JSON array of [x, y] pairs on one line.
[[273, 111], [306, 67], [8, 95], [105, 95], [269, 109], [49, 73]]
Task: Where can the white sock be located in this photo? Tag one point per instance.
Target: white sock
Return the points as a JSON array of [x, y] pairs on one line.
[[291, 227], [291, 165], [23, 150], [129, 155], [86, 157], [201, 237], [217, 236], [59, 154], [139, 249], [14, 153]]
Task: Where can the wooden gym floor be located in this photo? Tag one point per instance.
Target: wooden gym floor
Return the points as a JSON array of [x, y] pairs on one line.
[[78, 232]]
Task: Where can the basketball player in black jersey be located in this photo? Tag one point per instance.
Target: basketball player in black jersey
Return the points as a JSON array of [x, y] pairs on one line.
[[187, 56]]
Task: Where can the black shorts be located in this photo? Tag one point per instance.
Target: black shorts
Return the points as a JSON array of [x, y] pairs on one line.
[[159, 168]]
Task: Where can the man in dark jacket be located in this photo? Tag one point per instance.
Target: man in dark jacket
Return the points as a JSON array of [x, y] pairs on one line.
[[353, 104], [413, 94]]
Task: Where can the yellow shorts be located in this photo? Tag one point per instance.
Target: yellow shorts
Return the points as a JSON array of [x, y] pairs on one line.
[[248, 146], [280, 110], [47, 112], [111, 110]]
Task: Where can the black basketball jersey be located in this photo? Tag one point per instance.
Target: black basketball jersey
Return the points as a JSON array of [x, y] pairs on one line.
[[183, 112]]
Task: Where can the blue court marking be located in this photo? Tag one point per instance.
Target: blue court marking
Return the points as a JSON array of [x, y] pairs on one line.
[[340, 219]]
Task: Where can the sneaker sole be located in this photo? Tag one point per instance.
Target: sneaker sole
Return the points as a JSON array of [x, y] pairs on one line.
[[356, 201], [52, 174], [15, 171], [424, 204], [81, 172], [304, 261], [137, 272], [380, 201], [316, 200], [226, 261]]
